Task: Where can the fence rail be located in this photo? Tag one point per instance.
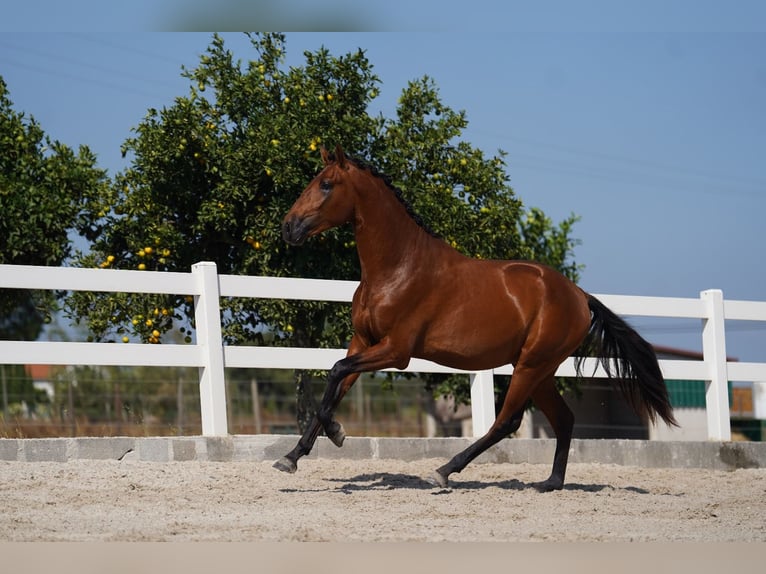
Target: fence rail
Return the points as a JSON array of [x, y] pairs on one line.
[[211, 356]]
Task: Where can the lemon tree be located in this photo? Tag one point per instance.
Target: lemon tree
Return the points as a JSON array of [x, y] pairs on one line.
[[212, 175], [47, 191]]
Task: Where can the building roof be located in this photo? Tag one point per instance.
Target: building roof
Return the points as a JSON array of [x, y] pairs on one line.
[[674, 353], [39, 372]]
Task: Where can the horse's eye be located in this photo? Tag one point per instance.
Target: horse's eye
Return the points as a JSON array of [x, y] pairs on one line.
[[325, 186]]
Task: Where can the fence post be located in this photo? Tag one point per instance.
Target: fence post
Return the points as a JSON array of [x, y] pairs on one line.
[[714, 353], [482, 402], [207, 316]]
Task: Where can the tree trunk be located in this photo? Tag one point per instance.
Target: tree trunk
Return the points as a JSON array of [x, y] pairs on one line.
[[305, 401], [256, 405]]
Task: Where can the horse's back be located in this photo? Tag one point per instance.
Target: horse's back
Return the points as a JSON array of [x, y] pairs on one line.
[[489, 311], [515, 290]]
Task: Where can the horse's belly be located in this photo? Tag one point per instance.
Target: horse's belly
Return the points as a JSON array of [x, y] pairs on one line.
[[472, 339], [471, 354]]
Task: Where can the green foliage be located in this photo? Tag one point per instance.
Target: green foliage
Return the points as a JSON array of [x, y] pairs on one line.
[[550, 244], [18, 392], [212, 176], [46, 191]]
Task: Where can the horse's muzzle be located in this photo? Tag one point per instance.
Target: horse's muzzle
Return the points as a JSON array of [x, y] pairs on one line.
[[295, 230]]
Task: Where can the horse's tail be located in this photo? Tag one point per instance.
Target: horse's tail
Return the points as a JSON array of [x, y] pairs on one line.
[[629, 359]]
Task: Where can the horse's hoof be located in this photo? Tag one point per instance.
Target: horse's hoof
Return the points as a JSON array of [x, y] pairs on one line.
[[437, 479], [548, 485], [286, 465], [338, 436]]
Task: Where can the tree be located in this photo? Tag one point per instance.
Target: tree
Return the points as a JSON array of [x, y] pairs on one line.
[[212, 176], [46, 191]]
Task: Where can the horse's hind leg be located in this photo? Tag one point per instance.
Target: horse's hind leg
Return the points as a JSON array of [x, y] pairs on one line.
[[525, 380], [553, 406]]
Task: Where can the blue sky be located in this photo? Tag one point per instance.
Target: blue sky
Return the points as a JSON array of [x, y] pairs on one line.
[[648, 125]]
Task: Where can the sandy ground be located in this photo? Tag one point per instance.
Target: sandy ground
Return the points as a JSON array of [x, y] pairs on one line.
[[381, 500]]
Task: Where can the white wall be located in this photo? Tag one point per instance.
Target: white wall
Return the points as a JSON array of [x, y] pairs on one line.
[[693, 426]]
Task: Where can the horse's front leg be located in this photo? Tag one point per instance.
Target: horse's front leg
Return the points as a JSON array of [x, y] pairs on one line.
[[289, 462], [343, 374], [340, 379], [333, 429], [338, 384]]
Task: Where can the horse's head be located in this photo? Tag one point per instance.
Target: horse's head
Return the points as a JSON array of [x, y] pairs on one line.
[[327, 202]]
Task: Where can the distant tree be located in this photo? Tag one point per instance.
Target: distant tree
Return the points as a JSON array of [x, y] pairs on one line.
[[17, 394], [46, 192], [212, 176]]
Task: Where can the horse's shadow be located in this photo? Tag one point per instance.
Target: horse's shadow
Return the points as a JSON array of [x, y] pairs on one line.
[[397, 481]]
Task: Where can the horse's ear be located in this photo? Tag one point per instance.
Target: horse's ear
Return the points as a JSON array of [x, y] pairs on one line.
[[325, 155], [340, 157]]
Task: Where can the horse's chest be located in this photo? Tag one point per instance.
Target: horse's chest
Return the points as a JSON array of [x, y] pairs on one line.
[[374, 314]]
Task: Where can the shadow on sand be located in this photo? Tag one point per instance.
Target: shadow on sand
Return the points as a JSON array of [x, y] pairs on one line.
[[395, 481]]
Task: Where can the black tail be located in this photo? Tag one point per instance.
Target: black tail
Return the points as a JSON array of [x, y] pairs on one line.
[[629, 359]]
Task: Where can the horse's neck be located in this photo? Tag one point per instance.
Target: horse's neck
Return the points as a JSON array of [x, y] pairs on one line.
[[388, 240]]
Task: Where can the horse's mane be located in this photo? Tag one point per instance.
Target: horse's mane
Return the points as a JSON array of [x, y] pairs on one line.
[[361, 164]]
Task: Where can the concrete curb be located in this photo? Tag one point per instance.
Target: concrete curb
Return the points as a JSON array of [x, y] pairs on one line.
[[258, 448]]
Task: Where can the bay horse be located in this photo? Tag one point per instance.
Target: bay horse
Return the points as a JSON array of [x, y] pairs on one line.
[[419, 297]]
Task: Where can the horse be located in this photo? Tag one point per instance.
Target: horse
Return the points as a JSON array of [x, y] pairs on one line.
[[420, 297]]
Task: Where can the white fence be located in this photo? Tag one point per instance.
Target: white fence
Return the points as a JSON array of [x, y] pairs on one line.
[[211, 357]]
